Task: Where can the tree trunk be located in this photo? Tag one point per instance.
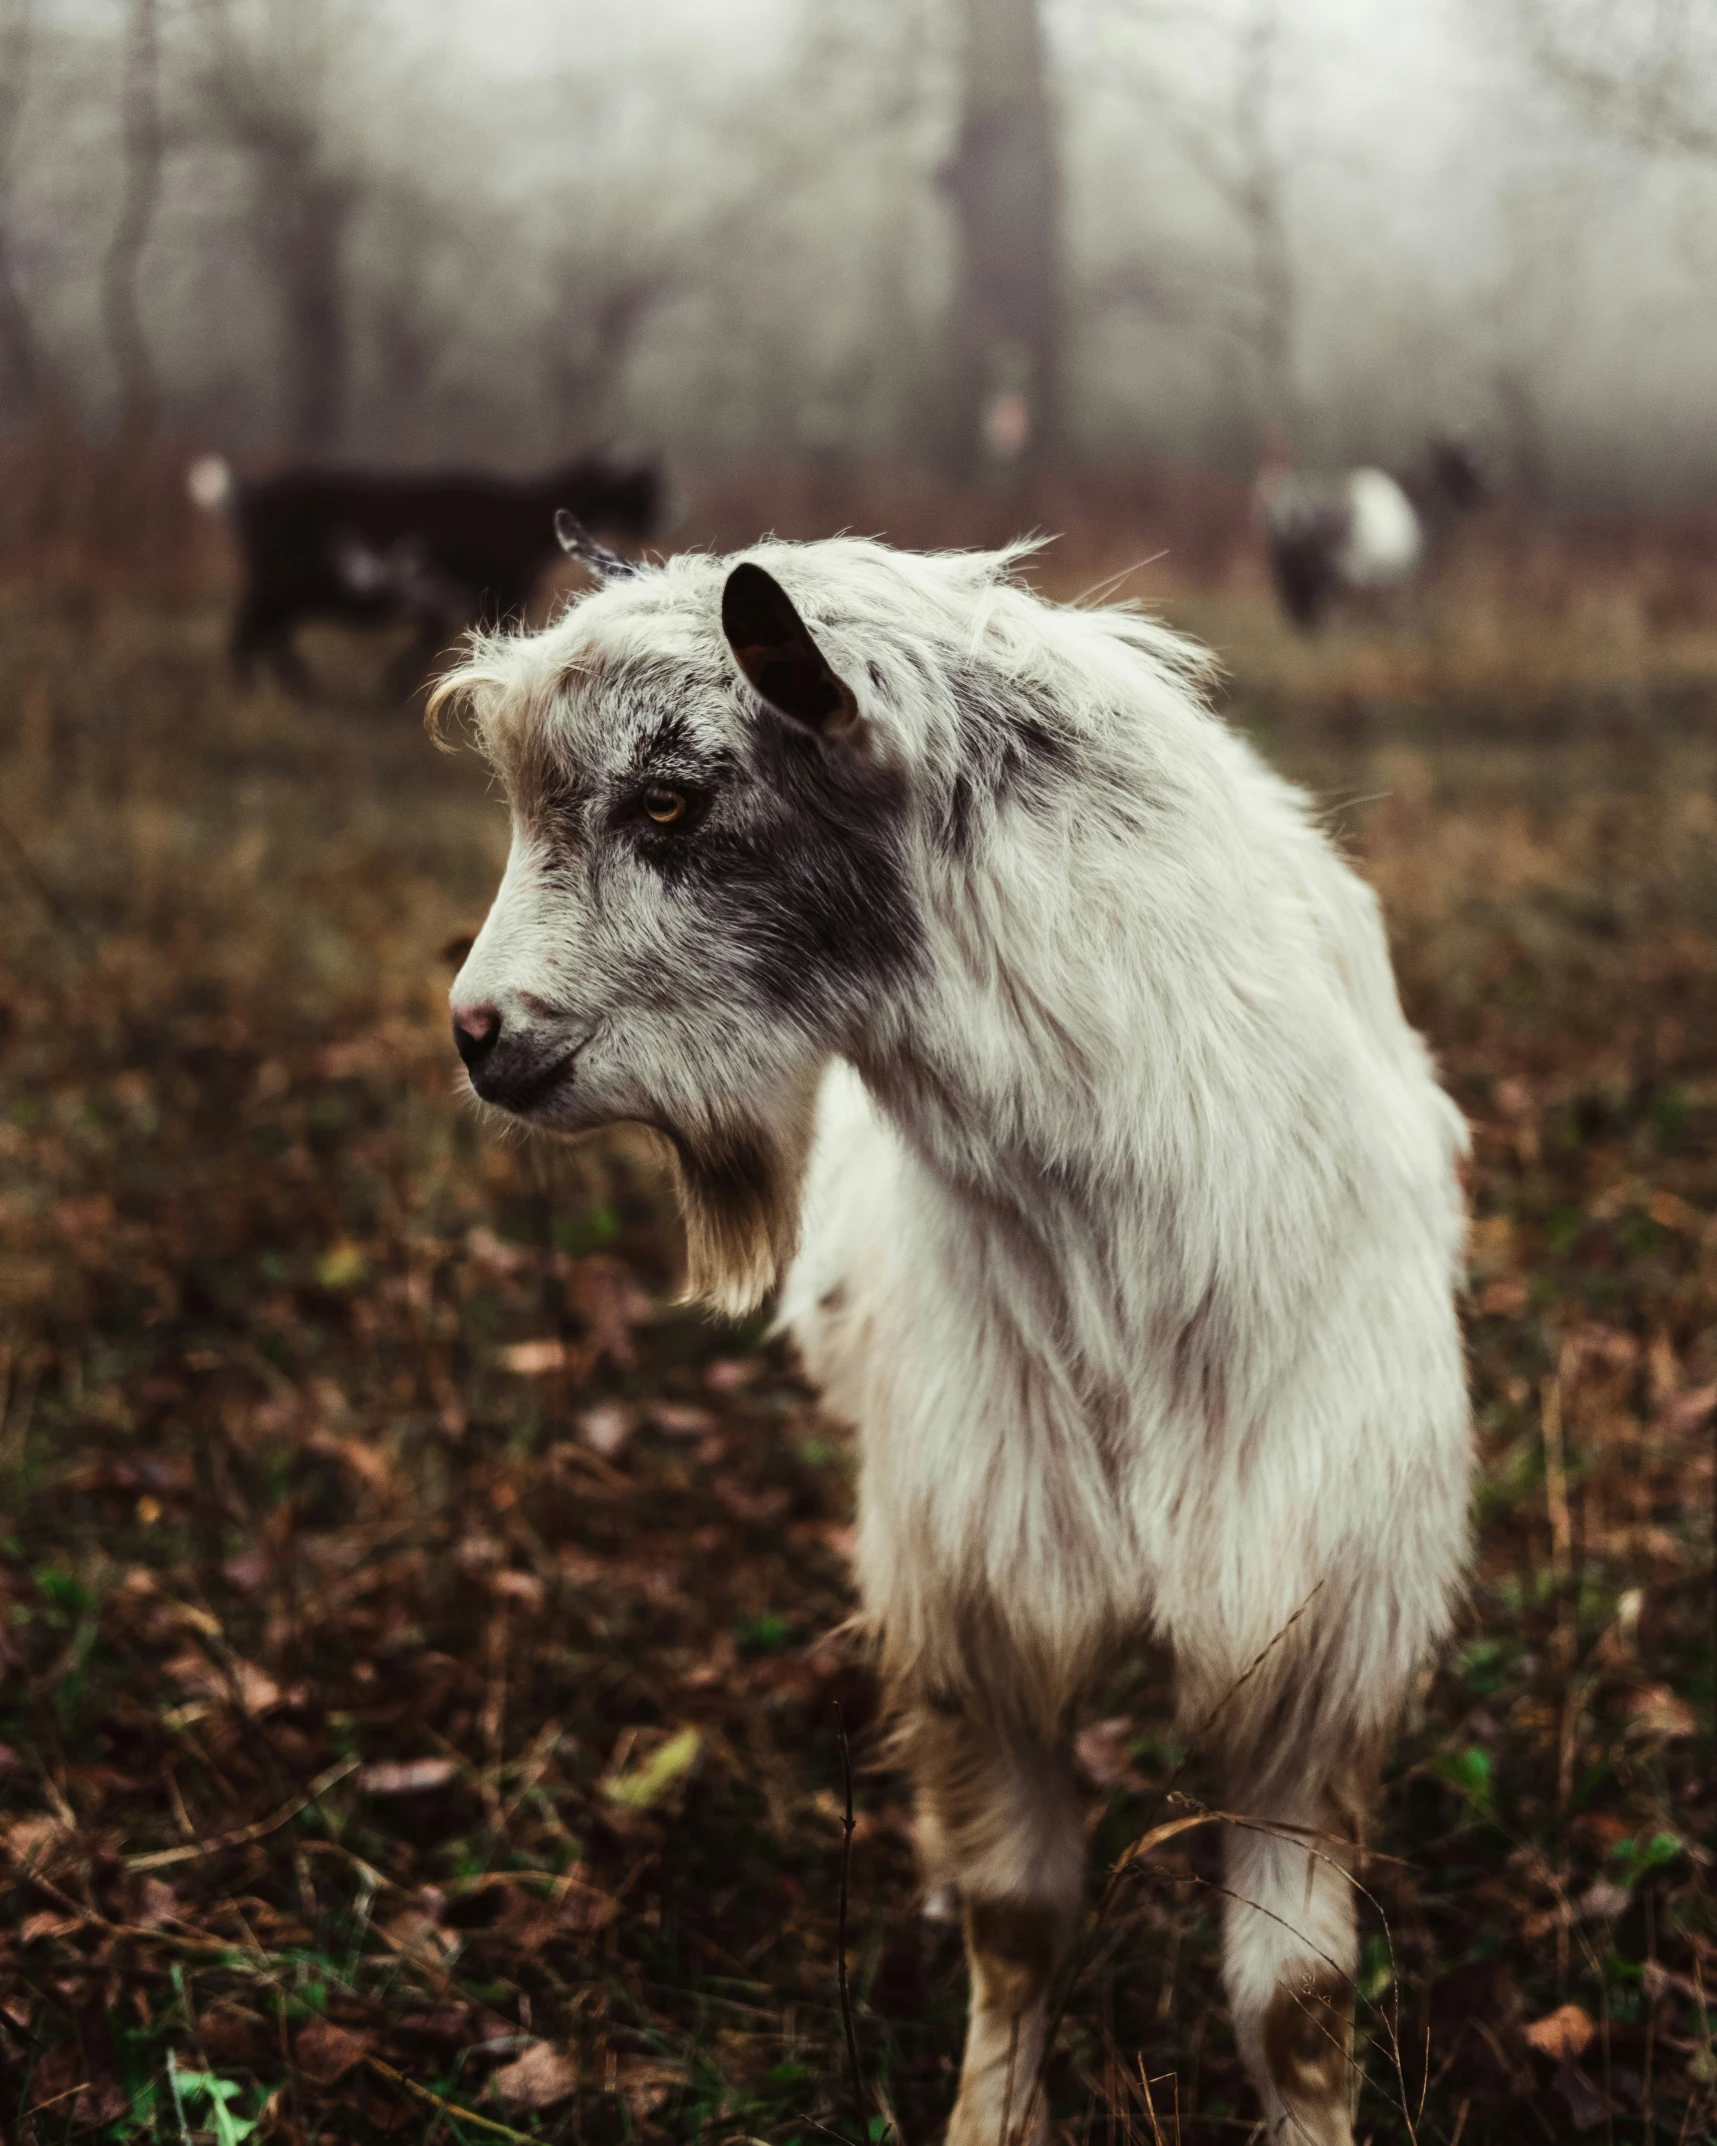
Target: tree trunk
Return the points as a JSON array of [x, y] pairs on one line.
[[1261, 199], [142, 192], [306, 244], [270, 105], [1005, 187], [20, 354]]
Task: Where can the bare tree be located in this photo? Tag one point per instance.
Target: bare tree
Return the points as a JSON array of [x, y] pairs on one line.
[[1250, 301], [1004, 181], [269, 101], [772, 237], [139, 198], [604, 302], [1644, 73], [1643, 70], [1255, 187], [21, 367]]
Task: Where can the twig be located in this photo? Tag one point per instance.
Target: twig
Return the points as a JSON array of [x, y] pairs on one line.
[[178, 2097], [450, 2108], [162, 1857], [1150, 2105], [841, 1928], [65, 2094], [494, 1718], [803, 2116], [1556, 1507]]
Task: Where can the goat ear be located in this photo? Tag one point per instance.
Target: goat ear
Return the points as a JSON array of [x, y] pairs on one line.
[[773, 647]]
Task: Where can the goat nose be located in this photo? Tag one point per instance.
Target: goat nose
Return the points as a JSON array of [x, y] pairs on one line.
[[476, 1031]]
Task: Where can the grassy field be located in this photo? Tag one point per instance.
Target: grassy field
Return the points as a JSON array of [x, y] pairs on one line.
[[419, 1636]]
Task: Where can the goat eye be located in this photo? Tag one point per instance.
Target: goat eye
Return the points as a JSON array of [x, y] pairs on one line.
[[663, 805]]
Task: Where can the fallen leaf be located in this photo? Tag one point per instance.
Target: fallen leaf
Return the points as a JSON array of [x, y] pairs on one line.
[[225, 1683], [1505, 1300], [157, 1903], [1669, 1211], [47, 1922], [406, 1777], [1562, 2033], [611, 1304], [584, 1906], [343, 1266], [56, 2076], [522, 1919], [533, 1359], [476, 1550], [450, 2024], [518, 1586], [415, 1935], [679, 1420], [537, 2078], [1490, 1246], [326, 2052], [1607, 1346], [365, 1462], [645, 2085], [1602, 1902], [1689, 1410], [1660, 1981], [605, 1429], [31, 1841], [231, 2036], [648, 1783], [102, 2101], [1655, 1710]]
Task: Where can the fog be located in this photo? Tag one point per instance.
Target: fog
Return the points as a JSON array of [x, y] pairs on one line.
[[745, 230]]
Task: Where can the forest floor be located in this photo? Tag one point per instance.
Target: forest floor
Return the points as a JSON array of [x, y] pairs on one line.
[[420, 1635]]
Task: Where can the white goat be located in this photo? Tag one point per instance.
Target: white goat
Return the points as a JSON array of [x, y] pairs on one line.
[[1357, 534], [991, 989]]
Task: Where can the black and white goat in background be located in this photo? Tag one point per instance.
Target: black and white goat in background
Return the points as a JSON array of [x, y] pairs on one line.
[[996, 1000], [1358, 534], [441, 549]]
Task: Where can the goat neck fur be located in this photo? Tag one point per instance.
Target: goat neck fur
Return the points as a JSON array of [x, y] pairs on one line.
[[1043, 1036]]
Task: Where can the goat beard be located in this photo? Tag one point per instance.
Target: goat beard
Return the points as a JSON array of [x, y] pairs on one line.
[[740, 1187]]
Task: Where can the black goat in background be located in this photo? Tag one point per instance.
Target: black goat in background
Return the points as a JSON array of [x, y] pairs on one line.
[[440, 549]]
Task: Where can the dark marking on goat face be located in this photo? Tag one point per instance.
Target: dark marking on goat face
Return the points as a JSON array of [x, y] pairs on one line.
[[800, 867]]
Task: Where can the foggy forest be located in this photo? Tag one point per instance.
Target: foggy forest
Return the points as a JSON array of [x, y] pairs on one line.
[[438, 233]]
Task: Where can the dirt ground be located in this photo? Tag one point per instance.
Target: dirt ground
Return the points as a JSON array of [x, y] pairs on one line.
[[420, 1637]]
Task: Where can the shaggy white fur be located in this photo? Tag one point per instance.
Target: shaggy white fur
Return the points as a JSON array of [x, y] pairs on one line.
[[1051, 1028]]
